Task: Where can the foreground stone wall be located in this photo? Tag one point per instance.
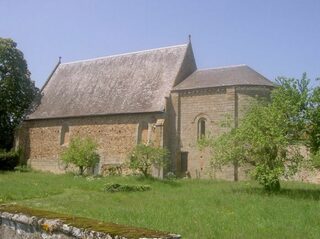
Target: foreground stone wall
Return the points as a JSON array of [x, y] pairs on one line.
[[43, 140], [14, 225]]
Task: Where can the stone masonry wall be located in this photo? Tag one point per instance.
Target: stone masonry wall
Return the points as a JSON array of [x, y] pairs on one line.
[[171, 132], [245, 95], [17, 225], [44, 140], [214, 105], [211, 104]]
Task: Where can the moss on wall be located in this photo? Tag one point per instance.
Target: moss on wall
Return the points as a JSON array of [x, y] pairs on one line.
[[85, 223]]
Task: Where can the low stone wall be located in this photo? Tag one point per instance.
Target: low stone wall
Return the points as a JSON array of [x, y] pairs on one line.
[[227, 173], [23, 225]]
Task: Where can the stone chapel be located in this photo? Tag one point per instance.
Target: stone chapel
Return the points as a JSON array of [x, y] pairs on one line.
[[156, 95]]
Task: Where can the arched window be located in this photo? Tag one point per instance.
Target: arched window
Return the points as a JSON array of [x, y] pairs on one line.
[[201, 128]]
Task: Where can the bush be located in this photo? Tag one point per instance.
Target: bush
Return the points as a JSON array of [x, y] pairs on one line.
[[170, 176], [143, 157], [81, 153], [315, 159], [9, 160], [116, 187]]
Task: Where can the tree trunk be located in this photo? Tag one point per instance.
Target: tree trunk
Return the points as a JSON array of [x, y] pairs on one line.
[[236, 173]]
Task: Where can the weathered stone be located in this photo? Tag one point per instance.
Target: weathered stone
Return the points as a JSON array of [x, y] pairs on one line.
[[115, 136], [22, 226]]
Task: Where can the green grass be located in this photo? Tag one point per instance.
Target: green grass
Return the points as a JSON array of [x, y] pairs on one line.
[[192, 208]]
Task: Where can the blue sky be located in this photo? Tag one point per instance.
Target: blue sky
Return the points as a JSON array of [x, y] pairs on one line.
[[275, 37]]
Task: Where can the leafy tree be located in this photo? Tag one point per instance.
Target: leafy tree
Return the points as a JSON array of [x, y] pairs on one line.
[[224, 149], [82, 152], [269, 135], [313, 126], [144, 156], [17, 91]]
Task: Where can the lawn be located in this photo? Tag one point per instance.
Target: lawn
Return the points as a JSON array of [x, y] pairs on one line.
[[192, 208]]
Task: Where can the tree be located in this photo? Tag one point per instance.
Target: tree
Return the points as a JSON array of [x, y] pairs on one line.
[[144, 156], [269, 135], [17, 91], [82, 152], [313, 126]]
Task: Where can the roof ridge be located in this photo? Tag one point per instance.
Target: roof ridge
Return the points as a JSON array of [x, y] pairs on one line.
[[124, 54], [222, 67]]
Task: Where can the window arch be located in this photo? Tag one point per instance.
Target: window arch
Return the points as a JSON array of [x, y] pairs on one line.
[[201, 128]]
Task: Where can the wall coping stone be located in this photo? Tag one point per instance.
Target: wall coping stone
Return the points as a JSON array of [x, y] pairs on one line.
[[25, 223]]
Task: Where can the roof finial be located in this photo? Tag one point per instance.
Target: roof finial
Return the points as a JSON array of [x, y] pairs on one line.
[[189, 38], [59, 59]]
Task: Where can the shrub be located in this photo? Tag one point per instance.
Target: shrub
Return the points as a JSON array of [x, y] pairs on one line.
[[9, 160], [143, 157], [116, 187], [316, 159], [81, 153], [170, 176]]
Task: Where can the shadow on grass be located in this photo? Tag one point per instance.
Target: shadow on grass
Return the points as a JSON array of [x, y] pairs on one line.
[[6, 171], [292, 193]]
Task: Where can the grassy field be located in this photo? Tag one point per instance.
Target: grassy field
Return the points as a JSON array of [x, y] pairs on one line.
[[192, 208]]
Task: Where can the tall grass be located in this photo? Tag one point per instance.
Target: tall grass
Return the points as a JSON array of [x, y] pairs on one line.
[[192, 208]]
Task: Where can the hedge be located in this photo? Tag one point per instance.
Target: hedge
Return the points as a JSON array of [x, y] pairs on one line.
[[9, 160]]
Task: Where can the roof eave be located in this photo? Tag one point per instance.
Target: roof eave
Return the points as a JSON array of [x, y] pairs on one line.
[[223, 86], [94, 115]]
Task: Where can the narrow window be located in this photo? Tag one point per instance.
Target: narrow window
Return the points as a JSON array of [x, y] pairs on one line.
[[201, 128], [184, 162], [64, 136], [142, 132]]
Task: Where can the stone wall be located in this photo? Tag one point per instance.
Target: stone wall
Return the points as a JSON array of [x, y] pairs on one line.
[[214, 106], [176, 128], [245, 95], [20, 225], [43, 140], [172, 131]]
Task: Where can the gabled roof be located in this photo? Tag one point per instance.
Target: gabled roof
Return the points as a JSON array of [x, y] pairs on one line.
[[224, 76], [136, 82]]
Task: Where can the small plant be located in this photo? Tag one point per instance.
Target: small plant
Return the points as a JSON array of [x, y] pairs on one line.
[[81, 153], [144, 156], [116, 187], [171, 176]]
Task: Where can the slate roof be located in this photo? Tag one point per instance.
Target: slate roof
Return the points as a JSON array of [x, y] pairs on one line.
[[128, 83], [224, 76]]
